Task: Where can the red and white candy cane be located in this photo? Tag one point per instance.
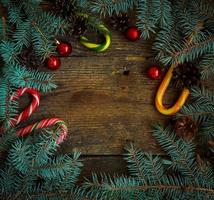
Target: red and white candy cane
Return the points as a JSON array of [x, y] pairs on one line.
[[25, 114], [44, 124]]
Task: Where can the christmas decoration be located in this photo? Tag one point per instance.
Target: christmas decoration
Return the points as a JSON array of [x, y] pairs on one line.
[[64, 49], [79, 26], [27, 112], [98, 47], [186, 75], [154, 72], [44, 124], [161, 91], [185, 127], [120, 22], [132, 33], [54, 62]]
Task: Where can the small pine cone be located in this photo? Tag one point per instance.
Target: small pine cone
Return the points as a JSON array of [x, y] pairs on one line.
[[120, 22], [79, 28], [63, 8], [29, 58], [185, 127], [186, 75]]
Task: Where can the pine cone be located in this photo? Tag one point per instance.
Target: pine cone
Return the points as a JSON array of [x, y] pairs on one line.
[[67, 11], [185, 127], [120, 22], [29, 58], [79, 27], [186, 75], [64, 8]]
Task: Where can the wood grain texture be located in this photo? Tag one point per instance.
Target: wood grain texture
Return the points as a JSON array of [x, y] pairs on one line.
[[104, 108]]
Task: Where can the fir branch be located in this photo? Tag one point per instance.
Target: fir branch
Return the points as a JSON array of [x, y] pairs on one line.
[[14, 14], [202, 106], [207, 66], [147, 19], [189, 52], [134, 158], [19, 156], [22, 35], [73, 194], [206, 131], [7, 139], [18, 76], [106, 7], [9, 52], [8, 108], [131, 189], [41, 42], [8, 180], [165, 13], [45, 146], [162, 187], [193, 27], [203, 9], [181, 151]]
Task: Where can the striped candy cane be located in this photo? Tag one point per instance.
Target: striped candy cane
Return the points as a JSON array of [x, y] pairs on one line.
[[27, 112], [98, 47], [44, 124]]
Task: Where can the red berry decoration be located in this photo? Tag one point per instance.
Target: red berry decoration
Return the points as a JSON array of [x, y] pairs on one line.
[[54, 62], [132, 33], [64, 49], [154, 72]]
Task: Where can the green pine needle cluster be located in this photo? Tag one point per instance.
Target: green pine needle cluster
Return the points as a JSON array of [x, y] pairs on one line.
[[180, 176], [33, 170], [201, 109]]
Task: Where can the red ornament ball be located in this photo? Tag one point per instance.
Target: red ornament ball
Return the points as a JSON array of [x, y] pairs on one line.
[[132, 33], [64, 49], [54, 62], [154, 72]]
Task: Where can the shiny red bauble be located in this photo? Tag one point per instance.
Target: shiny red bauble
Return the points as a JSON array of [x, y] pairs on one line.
[[154, 72], [132, 33], [53, 62], [64, 49]]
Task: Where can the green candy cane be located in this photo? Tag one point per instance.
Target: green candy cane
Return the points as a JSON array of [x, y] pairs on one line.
[[98, 47]]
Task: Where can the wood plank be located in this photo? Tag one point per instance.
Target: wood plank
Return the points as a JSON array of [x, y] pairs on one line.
[[104, 108], [111, 165]]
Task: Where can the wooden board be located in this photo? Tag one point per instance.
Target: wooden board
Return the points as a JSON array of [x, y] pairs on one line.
[[103, 108]]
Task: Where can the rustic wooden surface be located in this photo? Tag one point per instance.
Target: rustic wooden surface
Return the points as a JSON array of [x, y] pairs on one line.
[[105, 109]]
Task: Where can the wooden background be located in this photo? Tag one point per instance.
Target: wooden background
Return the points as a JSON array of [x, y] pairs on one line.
[[105, 108]]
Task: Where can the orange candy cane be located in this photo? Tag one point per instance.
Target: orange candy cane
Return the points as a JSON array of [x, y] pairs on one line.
[[161, 91]]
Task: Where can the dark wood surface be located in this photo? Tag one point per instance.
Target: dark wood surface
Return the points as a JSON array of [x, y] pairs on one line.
[[103, 108]]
